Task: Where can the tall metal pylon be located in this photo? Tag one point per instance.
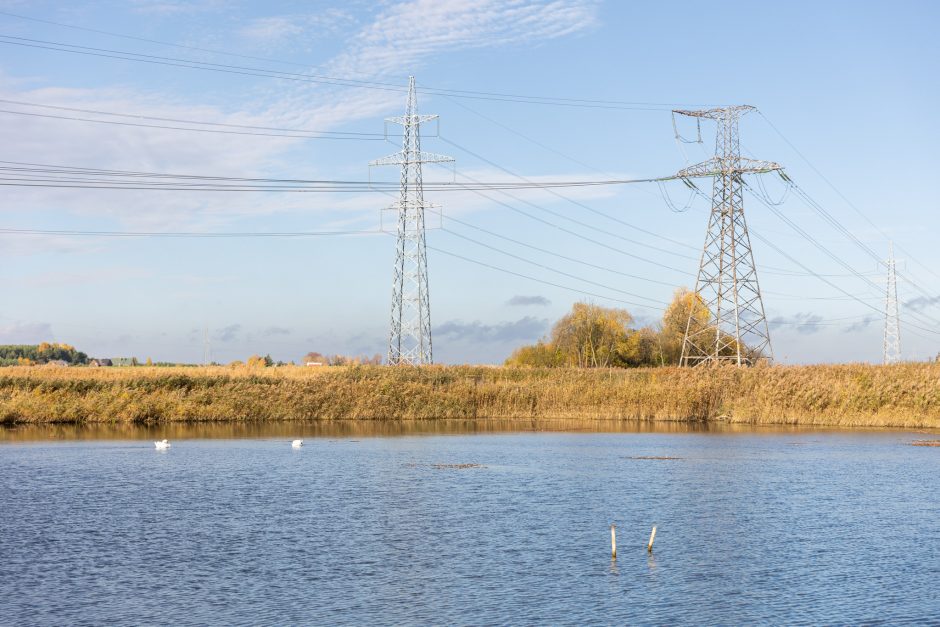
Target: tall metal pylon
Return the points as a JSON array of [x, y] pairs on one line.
[[409, 338], [892, 341], [206, 351], [734, 328]]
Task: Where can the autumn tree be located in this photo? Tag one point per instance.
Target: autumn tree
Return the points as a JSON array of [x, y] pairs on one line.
[[314, 357], [675, 321], [588, 337], [541, 355]]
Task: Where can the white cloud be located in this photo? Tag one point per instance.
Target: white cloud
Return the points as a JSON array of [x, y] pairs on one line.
[[26, 333], [406, 33], [177, 7], [376, 49], [275, 30]]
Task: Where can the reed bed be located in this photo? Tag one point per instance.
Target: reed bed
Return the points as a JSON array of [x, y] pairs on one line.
[[852, 395]]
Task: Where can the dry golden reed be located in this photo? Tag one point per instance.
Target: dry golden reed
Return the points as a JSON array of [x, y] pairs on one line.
[[852, 395]]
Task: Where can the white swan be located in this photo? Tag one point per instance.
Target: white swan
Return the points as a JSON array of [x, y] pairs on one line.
[[162, 446], [297, 443]]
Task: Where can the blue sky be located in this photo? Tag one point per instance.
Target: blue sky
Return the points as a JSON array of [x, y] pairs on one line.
[[850, 85]]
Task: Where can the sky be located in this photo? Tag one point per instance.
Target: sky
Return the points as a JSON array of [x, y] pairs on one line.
[[844, 94]]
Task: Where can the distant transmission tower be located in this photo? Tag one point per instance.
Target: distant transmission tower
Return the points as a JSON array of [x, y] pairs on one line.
[[734, 328], [892, 342], [206, 353], [409, 340]]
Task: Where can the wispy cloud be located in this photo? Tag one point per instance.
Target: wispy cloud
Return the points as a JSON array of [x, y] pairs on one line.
[[26, 333], [922, 302], [864, 323], [389, 44], [383, 44], [277, 30], [803, 323], [273, 331], [177, 7], [228, 333], [525, 329], [526, 301]]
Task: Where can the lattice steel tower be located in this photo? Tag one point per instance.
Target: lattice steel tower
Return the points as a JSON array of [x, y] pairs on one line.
[[409, 339], [892, 341], [734, 330]]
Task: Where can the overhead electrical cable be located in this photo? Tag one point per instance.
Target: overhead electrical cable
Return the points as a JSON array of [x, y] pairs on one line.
[[865, 303], [187, 234], [241, 129], [549, 268], [583, 206], [838, 192], [557, 254], [569, 231], [68, 176], [326, 80]]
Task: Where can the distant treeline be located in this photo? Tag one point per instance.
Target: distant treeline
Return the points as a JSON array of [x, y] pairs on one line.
[[591, 336], [28, 354]]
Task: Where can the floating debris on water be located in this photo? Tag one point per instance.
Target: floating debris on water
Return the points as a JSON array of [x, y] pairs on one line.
[[925, 443], [445, 466], [652, 457]]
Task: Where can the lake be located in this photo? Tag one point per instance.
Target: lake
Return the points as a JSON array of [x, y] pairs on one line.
[[467, 523]]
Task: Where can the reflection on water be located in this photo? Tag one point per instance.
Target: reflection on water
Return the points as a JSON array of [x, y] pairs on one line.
[[369, 428]]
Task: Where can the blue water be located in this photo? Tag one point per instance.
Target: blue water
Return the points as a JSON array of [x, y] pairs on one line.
[[792, 528]]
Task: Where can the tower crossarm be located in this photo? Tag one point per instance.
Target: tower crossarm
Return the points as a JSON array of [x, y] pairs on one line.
[[717, 166], [412, 119], [717, 113], [400, 158]]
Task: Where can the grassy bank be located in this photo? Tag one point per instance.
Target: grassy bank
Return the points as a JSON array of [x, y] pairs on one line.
[[906, 395]]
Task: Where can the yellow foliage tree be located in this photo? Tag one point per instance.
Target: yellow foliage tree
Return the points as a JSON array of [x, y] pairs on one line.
[[256, 361], [588, 337], [676, 320]]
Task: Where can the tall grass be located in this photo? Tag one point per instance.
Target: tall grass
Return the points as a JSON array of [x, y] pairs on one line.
[[905, 395]]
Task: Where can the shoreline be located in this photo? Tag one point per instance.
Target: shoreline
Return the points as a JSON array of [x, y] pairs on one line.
[[904, 396]]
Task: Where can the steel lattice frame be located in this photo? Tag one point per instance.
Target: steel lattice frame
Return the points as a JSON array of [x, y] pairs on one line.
[[409, 340], [736, 330], [892, 340]]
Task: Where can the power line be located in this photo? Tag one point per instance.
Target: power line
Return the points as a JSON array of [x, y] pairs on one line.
[[537, 280], [180, 128], [322, 79], [549, 268], [828, 252], [822, 278], [271, 131], [583, 206], [441, 91], [567, 230], [186, 234], [557, 254], [852, 205], [28, 173], [151, 41]]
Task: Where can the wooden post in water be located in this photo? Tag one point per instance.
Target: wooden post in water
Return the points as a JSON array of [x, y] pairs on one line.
[[613, 541], [649, 547]]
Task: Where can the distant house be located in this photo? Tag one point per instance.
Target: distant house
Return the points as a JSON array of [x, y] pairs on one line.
[[314, 363], [94, 363], [124, 361]]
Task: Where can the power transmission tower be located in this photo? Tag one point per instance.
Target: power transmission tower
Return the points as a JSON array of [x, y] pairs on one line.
[[206, 353], [409, 339], [734, 327], [892, 341]]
